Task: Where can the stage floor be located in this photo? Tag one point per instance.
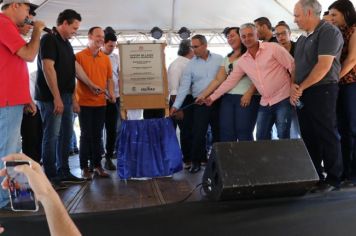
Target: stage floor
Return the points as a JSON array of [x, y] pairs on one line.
[[108, 194]]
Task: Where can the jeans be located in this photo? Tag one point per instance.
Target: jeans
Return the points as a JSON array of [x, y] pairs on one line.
[[279, 114], [112, 126], [317, 120], [346, 114], [57, 133], [10, 124], [73, 141], [91, 121], [294, 126], [236, 122]]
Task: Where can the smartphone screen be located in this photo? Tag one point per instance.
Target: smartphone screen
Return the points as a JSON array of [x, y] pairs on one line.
[[22, 197]]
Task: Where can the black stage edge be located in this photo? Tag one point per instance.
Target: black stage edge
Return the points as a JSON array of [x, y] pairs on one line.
[[333, 213]]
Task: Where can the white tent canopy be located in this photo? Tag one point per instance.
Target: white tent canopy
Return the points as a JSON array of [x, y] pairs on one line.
[[139, 16]]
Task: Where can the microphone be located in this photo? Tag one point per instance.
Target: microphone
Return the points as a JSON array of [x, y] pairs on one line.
[[30, 22]]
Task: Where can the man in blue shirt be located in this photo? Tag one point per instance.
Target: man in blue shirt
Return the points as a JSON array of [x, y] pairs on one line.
[[200, 71]]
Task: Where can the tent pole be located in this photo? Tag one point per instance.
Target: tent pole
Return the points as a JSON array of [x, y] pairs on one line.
[[284, 7], [169, 36]]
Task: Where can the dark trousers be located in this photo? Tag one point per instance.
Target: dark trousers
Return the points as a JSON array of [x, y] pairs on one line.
[[153, 113], [112, 123], [186, 129], [91, 121], [31, 133], [317, 120], [346, 111], [203, 116]]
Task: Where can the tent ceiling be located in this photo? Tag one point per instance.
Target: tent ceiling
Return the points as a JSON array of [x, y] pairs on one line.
[[169, 15]]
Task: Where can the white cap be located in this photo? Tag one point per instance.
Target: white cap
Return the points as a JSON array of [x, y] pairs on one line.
[[5, 2]]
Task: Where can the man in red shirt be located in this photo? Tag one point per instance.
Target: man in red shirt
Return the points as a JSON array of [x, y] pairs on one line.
[[14, 80]]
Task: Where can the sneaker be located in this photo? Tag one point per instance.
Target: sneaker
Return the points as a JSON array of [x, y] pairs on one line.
[[72, 179], [58, 185]]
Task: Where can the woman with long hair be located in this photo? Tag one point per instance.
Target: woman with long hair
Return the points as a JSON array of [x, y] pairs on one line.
[[343, 15], [239, 107]]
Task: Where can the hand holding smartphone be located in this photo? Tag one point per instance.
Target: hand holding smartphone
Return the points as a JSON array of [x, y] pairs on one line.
[[45, 193], [22, 197]]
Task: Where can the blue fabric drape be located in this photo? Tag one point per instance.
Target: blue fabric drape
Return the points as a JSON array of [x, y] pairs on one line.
[[148, 148]]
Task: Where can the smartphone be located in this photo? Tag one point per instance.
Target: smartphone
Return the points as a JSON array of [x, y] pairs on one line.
[[22, 197]]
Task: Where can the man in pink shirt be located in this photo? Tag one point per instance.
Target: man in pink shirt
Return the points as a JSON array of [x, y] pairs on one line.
[[267, 64]]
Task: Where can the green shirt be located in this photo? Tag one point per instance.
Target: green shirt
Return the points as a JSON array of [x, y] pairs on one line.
[[243, 85]]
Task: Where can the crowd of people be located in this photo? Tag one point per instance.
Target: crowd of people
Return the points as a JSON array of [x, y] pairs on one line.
[[299, 89], [294, 89]]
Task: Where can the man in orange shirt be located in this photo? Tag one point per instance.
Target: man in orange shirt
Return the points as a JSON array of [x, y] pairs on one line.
[[98, 67]]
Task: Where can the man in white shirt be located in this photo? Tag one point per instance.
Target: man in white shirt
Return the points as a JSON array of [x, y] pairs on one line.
[[175, 72], [112, 116]]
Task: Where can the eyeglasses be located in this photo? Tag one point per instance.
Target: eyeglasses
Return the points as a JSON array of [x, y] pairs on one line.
[[283, 33], [231, 66], [195, 46]]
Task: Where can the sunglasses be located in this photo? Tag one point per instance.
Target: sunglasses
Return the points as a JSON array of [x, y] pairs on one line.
[[231, 67]]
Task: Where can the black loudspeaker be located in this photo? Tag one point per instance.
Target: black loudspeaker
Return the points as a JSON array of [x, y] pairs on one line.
[[270, 168]]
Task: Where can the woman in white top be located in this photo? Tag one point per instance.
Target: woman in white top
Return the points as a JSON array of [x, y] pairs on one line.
[[239, 107]]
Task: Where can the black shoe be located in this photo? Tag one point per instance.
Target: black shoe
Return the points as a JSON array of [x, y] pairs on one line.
[[58, 185], [194, 169], [324, 187], [187, 165], [347, 184], [71, 179], [109, 165]]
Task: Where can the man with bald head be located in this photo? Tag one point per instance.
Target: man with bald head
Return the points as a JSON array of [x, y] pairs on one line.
[[267, 65], [97, 66], [317, 71]]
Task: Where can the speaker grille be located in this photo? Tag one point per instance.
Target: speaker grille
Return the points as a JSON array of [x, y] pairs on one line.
[[258, 169]]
